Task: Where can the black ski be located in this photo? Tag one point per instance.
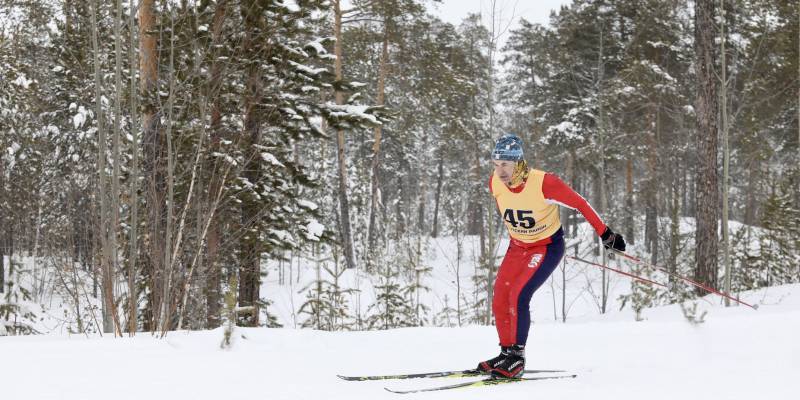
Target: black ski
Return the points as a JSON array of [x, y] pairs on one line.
[[483, 382], [439, 374]]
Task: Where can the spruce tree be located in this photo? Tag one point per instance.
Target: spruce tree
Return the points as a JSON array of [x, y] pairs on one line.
[[17, 310], [327, 305]]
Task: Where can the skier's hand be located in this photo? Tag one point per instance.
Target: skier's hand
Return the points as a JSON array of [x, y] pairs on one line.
[[613, 240]]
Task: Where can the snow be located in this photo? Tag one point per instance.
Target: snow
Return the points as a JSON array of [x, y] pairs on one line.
[[268, 157], [658, 71], [306, 69], [290, 5], [281, 234], [307, 204], [13, 149], [317, 45], [346, 110], [565, 127], [22, 81], [227, 158], [737, 354], [80, 117], [314, 229]]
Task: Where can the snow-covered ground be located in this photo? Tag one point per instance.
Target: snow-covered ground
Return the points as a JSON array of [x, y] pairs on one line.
[[737, 353]]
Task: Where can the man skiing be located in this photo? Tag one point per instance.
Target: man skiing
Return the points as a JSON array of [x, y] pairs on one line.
[[528, 200]]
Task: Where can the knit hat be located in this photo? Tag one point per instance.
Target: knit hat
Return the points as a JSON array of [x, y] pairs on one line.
[[508, 148]]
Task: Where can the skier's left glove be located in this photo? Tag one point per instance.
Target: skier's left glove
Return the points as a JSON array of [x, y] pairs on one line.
[[613, 240]]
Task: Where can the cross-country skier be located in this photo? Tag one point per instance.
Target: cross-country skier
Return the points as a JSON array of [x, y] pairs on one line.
[[528, 200]]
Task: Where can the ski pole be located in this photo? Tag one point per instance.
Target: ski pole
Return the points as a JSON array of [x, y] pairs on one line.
[[638, 278], [685, 279]]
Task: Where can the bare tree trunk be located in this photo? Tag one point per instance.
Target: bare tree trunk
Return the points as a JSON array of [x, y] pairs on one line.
[[115, 189], [106, 230], [602, 147], [376, 146], [153, 165], [726, 157], [651, 195], [421, 203], [707, 187], [674, 236], [567, 213], [214, 272], [250, 263], [134, 182], [3, 224], [68, 20], [344, 207], [487, 253], [439, 182], [477, 221], [753, 179], [630, 228], [165, 320]]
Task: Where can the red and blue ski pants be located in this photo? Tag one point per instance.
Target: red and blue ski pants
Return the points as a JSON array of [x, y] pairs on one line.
[[524, 269]]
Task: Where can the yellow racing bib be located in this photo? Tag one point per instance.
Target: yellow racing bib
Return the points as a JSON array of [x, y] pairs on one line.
[[528, 216]]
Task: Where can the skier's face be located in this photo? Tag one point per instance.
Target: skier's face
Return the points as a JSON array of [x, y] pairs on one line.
[[504, 170]]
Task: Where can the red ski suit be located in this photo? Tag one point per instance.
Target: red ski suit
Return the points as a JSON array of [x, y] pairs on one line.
[[527, 265]]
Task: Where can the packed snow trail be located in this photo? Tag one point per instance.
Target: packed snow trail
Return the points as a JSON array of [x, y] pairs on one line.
[[737, 353]]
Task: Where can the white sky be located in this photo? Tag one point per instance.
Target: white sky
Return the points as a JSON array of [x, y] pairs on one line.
[[454, 11]]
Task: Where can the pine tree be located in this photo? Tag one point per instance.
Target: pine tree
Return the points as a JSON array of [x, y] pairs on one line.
[[643, 295], [327, 303], [17, 315], [390, 309], [706, 108]]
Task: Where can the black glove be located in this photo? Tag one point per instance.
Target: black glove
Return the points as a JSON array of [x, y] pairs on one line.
[[613, 240]]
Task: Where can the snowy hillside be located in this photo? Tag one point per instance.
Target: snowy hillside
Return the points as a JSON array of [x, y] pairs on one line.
[[737, 353]]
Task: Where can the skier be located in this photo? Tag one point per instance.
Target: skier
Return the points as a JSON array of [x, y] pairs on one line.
[[528, 200]]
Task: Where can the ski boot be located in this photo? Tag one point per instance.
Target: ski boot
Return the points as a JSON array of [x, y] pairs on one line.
[[489, 365], [513, 365]]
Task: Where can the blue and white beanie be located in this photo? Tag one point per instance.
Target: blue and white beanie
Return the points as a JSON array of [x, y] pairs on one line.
[[508, 148]]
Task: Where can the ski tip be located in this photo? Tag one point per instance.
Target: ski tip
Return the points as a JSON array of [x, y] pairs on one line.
[[394, 391], [347, 378]]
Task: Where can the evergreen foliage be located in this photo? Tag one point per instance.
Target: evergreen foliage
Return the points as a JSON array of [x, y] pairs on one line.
[[17, 314], [391, 309], [327, 305]]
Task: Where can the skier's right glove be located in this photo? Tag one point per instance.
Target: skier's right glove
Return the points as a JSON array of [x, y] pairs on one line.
[[613, 240]]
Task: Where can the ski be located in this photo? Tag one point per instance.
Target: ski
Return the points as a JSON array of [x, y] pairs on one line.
[[483, 382], [440, 374]]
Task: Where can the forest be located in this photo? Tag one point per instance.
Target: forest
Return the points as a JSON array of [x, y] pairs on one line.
[[157, 156]]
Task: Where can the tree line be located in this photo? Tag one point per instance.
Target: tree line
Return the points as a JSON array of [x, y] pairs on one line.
[[156, 154]]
